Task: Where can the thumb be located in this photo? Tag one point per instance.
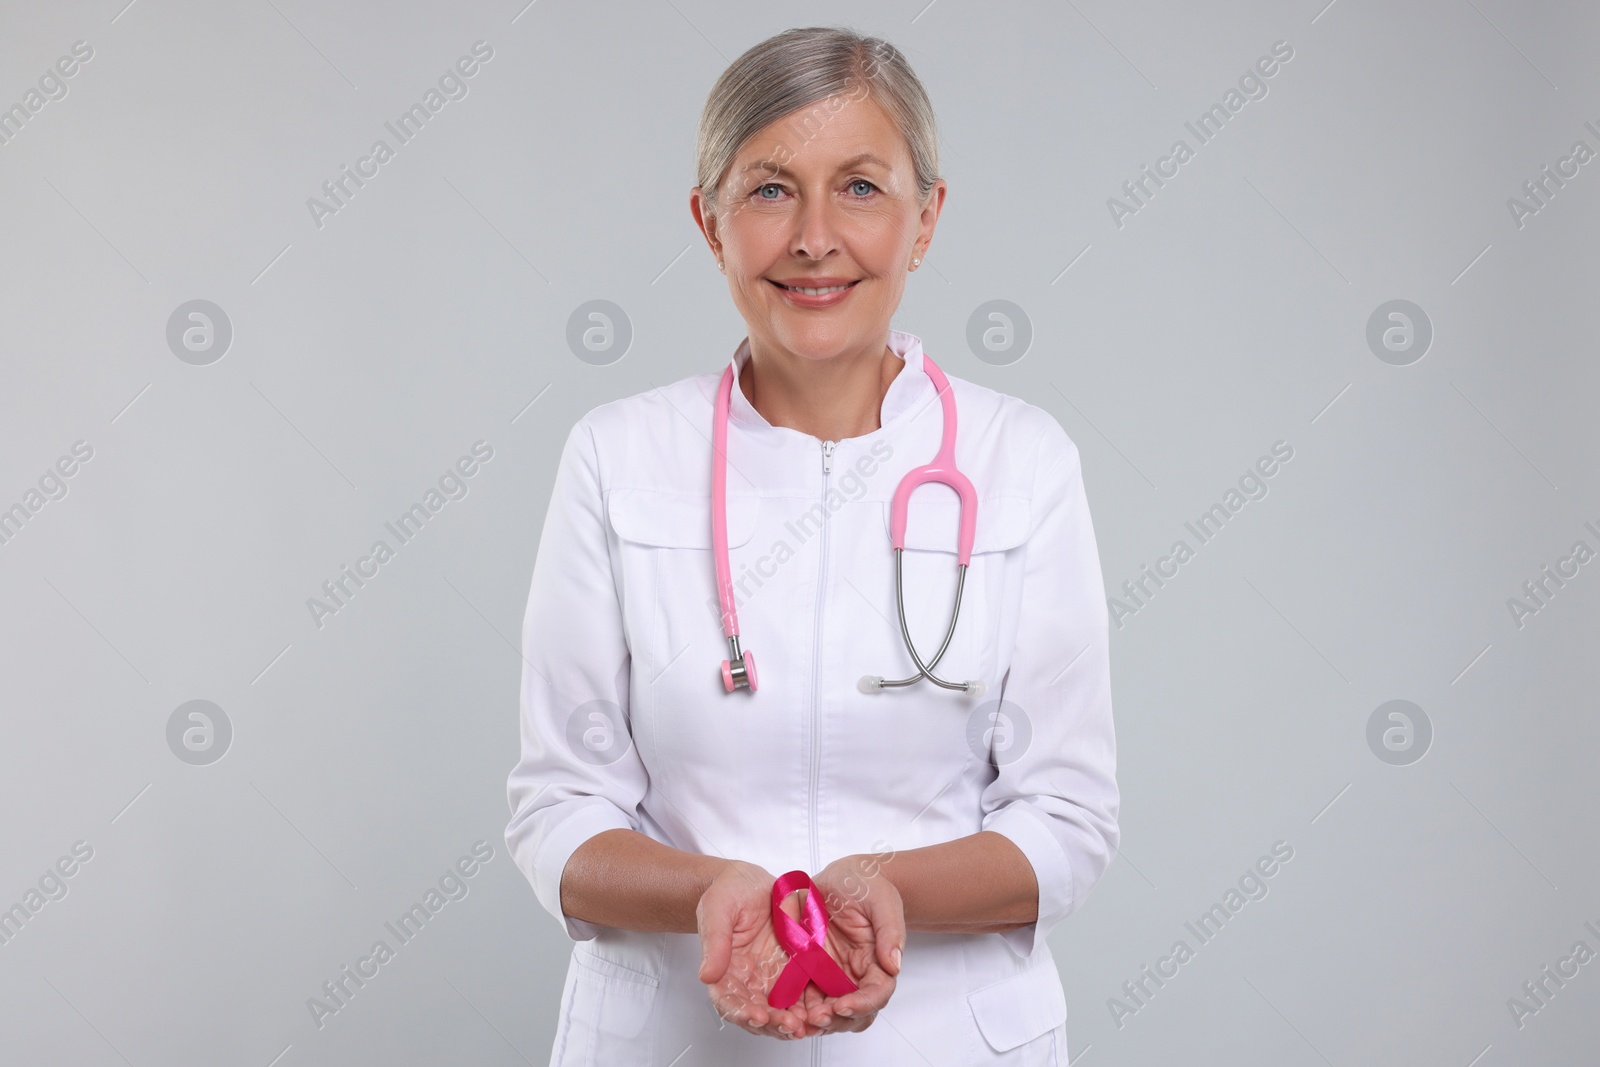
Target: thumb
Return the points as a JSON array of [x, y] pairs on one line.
[[716, 944], [889, 929]]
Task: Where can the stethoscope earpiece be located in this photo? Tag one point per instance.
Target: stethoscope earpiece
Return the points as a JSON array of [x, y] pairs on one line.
[[873, 683]]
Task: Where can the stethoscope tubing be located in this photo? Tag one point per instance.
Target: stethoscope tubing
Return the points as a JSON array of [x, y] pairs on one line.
[[738, 670], [923, 670]]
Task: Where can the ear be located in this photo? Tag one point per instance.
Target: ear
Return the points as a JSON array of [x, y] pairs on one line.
[[706, 219]]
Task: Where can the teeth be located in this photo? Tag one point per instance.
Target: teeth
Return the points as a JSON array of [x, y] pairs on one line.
[[815, 292]]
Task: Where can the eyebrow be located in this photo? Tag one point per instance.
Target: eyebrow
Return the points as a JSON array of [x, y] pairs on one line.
[[853, 161]]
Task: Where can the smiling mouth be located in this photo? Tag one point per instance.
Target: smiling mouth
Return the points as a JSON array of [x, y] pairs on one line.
[[823, 291]]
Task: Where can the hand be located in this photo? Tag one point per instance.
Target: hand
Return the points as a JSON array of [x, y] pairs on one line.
[[865, 936], [741, 954]]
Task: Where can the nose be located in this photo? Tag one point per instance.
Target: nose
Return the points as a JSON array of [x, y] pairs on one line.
[[815, 228]]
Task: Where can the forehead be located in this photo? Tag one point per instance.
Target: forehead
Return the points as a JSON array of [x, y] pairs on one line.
[[833, 133]]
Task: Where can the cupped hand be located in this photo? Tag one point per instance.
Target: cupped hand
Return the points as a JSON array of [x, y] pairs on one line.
[[741, 956], [865, 936]]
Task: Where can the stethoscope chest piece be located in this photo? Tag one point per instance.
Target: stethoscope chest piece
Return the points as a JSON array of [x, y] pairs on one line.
[[740, 670]]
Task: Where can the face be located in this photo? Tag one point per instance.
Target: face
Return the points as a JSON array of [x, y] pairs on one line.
[[823, 197]]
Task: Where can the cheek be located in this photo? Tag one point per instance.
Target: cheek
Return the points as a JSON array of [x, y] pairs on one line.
[[757, 244], [761, 226], [882, 241]]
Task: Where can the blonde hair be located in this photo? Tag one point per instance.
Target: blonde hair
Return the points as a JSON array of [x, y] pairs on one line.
[[797, 68]]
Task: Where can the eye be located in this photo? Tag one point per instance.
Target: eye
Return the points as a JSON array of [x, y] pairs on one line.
[[862, 181], [769, 185]]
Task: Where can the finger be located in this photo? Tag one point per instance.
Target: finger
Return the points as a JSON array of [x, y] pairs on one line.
[[754, 1014], [786, 1027], [773, 1028], [819, 1014], [889, 930], [732, 1010], [873, 993], [716, 945], [837, 1015], [760, 1020], [798, 1018], [731, 1001]]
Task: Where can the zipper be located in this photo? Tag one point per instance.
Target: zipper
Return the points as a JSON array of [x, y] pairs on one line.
[[816, 675], [816, 656]]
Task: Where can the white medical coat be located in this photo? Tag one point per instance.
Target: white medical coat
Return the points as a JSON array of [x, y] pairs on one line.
[[625, 722]]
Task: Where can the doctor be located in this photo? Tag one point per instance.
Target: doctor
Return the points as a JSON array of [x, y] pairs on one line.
[[665, 780]]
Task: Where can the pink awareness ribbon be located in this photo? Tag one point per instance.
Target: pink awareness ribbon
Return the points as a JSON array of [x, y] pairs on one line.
[[808, 960]]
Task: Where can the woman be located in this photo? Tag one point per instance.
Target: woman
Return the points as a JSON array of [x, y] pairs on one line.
[[947, 829]]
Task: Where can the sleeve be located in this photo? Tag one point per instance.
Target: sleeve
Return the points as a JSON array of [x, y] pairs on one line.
[[1057, 797], [579, 772]]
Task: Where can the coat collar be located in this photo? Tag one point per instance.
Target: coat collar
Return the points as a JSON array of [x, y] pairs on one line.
[[907, 394]]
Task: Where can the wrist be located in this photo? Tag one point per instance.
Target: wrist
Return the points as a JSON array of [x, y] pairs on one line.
[[714, 869], [710, 868], [862, 865], [850, 878]]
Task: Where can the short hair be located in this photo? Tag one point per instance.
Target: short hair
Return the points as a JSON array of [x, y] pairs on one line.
[[802, 66]]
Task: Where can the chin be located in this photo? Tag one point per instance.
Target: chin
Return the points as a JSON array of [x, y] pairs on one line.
[[820, 340]]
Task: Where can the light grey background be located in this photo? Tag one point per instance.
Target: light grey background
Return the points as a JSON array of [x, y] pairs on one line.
[[370, 353]]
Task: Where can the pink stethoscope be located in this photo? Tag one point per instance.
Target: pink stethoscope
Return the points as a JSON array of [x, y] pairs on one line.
[[739, 669]]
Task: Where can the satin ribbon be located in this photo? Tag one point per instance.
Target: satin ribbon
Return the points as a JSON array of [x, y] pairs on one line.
[[808, 960]]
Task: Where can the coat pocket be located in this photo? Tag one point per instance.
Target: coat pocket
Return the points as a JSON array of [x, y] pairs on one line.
[[666, 575], [1018, 1009], [666, 518], [933, 519], [610, 1000]]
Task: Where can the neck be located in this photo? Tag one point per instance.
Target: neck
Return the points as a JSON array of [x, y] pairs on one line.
[[830, 399]]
